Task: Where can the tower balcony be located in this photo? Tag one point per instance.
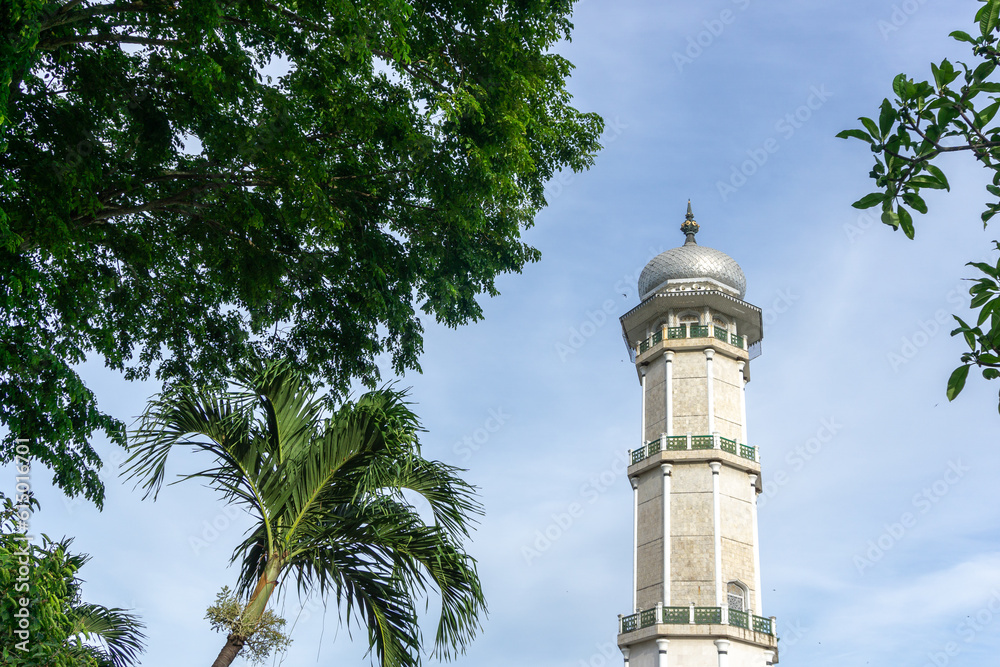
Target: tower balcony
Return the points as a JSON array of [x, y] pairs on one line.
[[680, 443], [696, 331], [692, 621]]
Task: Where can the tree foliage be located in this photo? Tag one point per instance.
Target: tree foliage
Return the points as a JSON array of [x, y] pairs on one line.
[[184, 181], [327, 494], [57, 629], [955, 112]]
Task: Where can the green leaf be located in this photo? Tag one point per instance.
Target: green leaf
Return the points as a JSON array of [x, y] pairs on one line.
[[914, 200], [899, 87], [962, 37], [988, 269], [887, 117], [906, 222], [873, 199], [991, 17], [987, 309], [890, 218], [957, 382], [871, 127], [857, 134], [939, 175]]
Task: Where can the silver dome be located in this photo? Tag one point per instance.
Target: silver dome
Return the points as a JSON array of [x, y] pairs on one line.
[[692, 261]]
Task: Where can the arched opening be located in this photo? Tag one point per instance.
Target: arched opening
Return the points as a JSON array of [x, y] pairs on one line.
[[737, 596]]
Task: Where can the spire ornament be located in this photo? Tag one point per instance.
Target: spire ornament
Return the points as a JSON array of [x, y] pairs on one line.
[[690, 227]]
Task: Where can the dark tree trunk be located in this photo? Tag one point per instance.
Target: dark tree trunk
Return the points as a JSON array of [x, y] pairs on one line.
[[229, 652]]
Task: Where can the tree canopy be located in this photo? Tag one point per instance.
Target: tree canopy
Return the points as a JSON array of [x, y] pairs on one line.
[[185, 182], [956, 112]]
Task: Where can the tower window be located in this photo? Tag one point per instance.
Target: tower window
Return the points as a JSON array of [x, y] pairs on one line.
[[736, 595]]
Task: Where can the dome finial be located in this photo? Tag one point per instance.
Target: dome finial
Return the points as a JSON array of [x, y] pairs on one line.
[[690, 227]]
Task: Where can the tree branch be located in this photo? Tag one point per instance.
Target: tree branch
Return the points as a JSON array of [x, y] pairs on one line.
[[111, 37]]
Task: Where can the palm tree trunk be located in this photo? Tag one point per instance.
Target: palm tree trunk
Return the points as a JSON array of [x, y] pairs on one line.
[[234, 644]]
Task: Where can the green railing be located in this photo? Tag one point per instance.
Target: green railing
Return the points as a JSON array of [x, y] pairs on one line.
[[699, 331], [707, 615], [630, 623], [695, 615], [763, 625], [676, 614], [677, 332], [702, 442], [691, 331], [677, 443]]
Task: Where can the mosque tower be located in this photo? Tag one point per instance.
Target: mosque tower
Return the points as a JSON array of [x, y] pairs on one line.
[[695, 479]]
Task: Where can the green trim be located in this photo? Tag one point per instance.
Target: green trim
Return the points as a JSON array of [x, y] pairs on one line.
[[698, 331], [702, 442], [764, 625], [740, 619], [707, 615], [676, 443], [676, 614]]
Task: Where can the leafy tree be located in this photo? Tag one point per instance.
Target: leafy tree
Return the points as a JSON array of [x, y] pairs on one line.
[[327, 494], [956, 113], [167, 206], [56, 624]]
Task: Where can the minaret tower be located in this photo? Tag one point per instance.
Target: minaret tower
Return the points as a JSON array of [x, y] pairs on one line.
[[695, 479]]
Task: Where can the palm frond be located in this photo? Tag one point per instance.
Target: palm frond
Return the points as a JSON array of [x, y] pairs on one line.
[[117, 629]]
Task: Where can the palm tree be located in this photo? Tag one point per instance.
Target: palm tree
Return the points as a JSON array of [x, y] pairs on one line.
[[327, 496]]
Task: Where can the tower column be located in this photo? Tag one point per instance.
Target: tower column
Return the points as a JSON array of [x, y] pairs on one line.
[[717, 529], [743, 401], [635, 545], [661, 652], [757, 603], [723, 646], [709, 353], [665, 469], [668, 393], [642, 425]]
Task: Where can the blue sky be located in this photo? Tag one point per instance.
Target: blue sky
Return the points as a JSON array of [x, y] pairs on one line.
[[878, 527]]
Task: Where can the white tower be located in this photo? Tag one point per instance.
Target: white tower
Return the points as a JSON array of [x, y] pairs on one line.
[[695, 479]]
